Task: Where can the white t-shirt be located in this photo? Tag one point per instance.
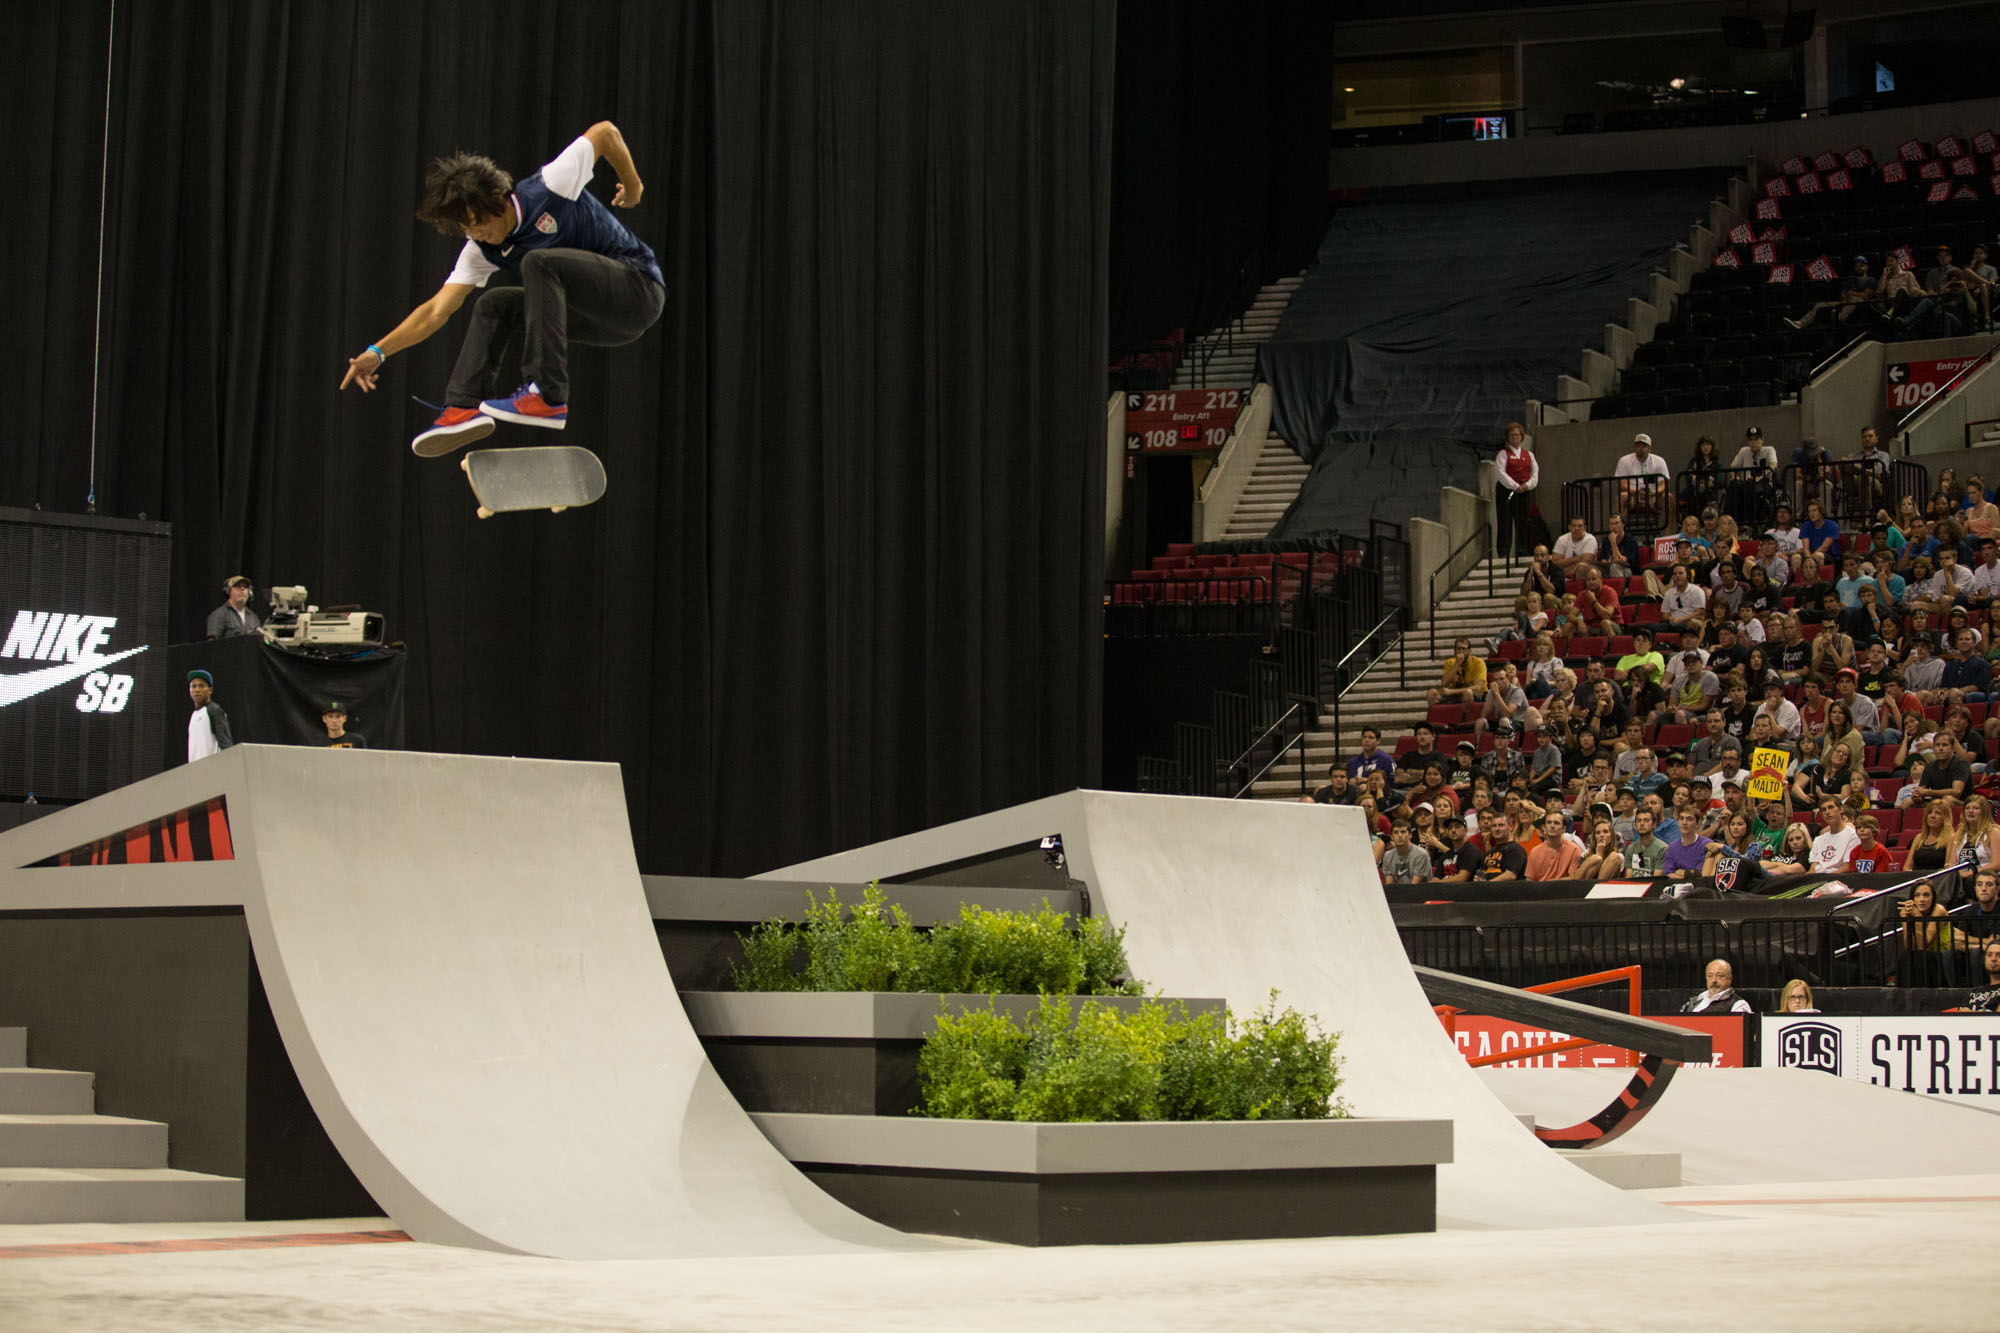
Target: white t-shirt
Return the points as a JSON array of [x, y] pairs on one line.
[[1678, 601], [1568, 547], [1653, 466], [1832, 851], [201, 736], [1762, 456], [566, 174]]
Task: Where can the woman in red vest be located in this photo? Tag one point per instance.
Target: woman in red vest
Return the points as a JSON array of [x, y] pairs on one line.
[[1517, 475]]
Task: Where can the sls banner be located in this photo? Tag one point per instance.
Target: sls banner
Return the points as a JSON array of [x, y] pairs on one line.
[[1955, 1056], [83, 623]]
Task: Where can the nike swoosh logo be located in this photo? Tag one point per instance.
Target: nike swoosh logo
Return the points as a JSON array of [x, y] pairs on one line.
[[27, 684]]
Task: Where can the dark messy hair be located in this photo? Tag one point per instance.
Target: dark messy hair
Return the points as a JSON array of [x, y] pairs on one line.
[[460, 189]]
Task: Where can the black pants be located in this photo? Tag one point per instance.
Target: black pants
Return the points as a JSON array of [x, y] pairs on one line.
[[1512, 509], [565, 296]]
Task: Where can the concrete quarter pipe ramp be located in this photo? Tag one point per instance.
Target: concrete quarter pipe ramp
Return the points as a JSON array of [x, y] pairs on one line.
[[462, 965], [1233, 898]]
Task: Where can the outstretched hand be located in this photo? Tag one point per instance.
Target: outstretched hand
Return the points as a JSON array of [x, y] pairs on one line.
[[627, 195], [361, 371]]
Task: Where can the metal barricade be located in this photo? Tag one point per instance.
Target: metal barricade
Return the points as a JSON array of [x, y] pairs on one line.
[[1646, 502]]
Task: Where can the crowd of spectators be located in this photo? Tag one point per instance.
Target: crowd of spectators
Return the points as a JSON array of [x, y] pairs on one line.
[[1611, 732]]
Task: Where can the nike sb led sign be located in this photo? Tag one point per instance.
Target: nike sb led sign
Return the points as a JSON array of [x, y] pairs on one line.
[[76, 645], [82, 648]]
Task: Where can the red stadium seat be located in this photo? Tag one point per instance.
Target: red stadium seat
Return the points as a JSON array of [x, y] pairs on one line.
[[1444, 717], [1511, 650], [1674, 735], [1180, 548], [1616, 646]]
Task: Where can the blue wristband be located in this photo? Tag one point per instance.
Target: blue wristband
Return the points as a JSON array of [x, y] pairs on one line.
[[380, 355]]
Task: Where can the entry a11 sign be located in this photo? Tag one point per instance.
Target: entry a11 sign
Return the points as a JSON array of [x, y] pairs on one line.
[[1180, 420]]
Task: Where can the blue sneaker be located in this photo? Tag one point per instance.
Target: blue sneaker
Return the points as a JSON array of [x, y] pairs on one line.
[[528, 407]]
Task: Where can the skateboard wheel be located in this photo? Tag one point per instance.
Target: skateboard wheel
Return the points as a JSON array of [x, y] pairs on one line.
[[484, 512], [557, 509]]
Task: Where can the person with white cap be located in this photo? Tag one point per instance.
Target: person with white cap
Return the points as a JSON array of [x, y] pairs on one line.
[[1644, 476], [234, 616]]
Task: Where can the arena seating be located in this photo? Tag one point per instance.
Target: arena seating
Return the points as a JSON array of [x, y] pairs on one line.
[[1728, 345]]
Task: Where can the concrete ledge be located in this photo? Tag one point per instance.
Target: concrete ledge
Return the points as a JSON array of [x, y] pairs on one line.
[[1629, 1170], [683, 898], [1098, 1184], [865, 1015], [1039, 1149]]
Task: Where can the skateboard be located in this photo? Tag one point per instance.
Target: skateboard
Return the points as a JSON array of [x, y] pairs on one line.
[[552, 478]]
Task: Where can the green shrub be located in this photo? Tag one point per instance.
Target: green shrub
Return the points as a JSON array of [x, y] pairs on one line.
[[1105, 969], [874, 947], [971, 1069], [770, 955], [868, 948], [1156, 1062]]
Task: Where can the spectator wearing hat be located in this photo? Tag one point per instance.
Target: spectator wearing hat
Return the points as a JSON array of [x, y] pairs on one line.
[[1545, 768], [234, 616], [334, 718], [1500, 764], [1756, 484], [208, 725], [1692, 688], [1644, 477], [1643, 654], [1458, 859], [1855, 291]]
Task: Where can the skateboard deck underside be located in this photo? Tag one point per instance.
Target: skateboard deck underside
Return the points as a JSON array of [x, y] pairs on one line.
[[553, 477]]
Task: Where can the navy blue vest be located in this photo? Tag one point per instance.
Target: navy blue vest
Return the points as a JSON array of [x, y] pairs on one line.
[[549, 221]]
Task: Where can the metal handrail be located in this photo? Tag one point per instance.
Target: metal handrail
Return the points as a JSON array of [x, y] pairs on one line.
[[1484, 530], [1841, 352], [1299, 703], [1858, 898], [1903, 427], [1340, 667], [1219, 330]]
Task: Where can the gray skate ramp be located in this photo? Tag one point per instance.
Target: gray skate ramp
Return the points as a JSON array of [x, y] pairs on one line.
[[1771, 1126], [466, 976], [1235, 898]]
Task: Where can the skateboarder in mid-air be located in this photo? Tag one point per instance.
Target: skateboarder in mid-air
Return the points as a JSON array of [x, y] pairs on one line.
[[584, 279]]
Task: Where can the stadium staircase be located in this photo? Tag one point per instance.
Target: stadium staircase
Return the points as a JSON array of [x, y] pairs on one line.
[[1390, 696], [1273, 484], [62, 1162], [1227, 358]]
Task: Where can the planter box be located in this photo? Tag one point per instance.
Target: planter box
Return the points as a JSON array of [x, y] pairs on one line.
[[698, 920], [841, 1053], [1105, 1184]]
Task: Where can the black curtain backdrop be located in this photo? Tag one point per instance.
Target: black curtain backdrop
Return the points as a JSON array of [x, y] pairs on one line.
[[1219, 155], [843, 584]]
